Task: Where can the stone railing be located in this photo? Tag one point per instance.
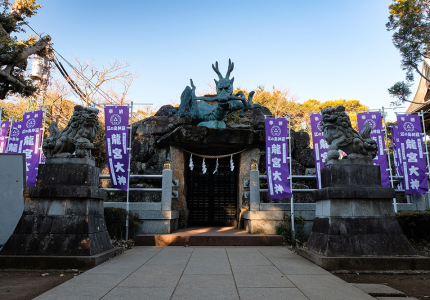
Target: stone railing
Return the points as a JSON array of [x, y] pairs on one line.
[[262, 218], [167, 185], [157, 217]]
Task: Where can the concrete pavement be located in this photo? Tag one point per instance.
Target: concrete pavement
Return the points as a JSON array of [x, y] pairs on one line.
[[206, 273]]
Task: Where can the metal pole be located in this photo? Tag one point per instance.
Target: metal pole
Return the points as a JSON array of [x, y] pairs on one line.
[[43, 133], [387, 152], [293, 234], [129, 163], [425, 144], [8, 137]]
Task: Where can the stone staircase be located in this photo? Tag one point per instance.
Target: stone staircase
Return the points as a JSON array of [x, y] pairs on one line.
[[208, 236]]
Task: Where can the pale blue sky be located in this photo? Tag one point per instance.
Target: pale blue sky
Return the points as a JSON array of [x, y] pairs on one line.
[[324, 50]]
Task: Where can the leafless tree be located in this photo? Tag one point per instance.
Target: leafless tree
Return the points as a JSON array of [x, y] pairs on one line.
[[109, 85]]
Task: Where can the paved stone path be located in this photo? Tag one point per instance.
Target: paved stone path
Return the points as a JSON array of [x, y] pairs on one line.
[[206, 273]]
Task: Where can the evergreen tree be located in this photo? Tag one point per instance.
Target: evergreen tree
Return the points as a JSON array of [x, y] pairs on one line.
[[13, 52], [410, 21]]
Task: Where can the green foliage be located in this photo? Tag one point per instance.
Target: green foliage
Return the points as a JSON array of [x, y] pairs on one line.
[[116, 220], [415, 224], [233, 117], [409, 19], [284, 229], [400, 90], [14, 53]]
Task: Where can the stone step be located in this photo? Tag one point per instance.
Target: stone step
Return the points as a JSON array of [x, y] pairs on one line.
[[208, 236], [379, 290], [207, 240]]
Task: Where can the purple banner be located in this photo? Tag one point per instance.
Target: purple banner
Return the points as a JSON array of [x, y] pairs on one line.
[[277, 165], [377, 134], [14, 136], [116, 130], [320, 146], [29, 143], [412, 154], [398, 163], [4, 129]]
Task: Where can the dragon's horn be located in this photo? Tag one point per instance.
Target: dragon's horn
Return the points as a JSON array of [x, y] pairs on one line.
[[216, 69], [230, 69]]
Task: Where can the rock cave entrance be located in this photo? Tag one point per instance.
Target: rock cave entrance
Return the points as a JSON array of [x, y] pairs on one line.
[[212, 198]]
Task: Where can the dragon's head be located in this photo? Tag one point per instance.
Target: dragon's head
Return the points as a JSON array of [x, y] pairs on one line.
[[224, 86]]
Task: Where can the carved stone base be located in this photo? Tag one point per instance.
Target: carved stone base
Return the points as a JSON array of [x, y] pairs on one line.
[[354, 264], [338, 236], [354, 215], [63, 215]]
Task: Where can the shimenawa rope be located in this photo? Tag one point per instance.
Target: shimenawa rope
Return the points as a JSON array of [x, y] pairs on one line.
[[213, 156]]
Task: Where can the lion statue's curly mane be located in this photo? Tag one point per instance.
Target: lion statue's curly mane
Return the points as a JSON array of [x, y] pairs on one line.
[[81, 129], [340, 135]]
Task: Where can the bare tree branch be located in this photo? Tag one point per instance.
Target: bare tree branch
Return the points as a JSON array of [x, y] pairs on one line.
[[10, 78], [109, 85]]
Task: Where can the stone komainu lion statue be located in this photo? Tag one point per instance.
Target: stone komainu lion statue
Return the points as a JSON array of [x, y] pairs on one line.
[[76, 137], [340, 135]]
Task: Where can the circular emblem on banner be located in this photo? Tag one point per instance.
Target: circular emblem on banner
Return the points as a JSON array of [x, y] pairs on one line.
[[408, 126], [115, 119], [30, 123], [15, 132], [319, 126], [276, 131], [371, 123]]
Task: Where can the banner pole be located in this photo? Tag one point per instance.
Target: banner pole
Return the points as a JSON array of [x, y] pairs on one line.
[[293, 234], [387, 152], [8, 137], [403, 183], [129, 163], [43, 134], [425, 145]]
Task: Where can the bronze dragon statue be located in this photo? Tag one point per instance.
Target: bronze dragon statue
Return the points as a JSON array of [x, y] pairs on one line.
[[213, 115]]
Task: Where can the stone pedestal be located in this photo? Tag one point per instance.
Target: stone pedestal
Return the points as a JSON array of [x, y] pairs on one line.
[[354, 215], [63, 214]]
